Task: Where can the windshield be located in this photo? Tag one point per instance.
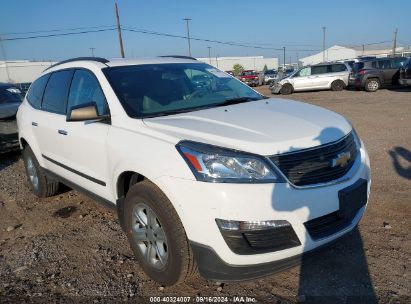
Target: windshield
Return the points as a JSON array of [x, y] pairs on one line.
[[162, 89], [248, 73], [10, 95]]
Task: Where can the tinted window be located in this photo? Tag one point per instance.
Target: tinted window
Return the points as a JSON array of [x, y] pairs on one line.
[[85, 88], [358, 66], [335, 68], [55, 96], [399, 62], [384, 64], [319, 69], [36, 91], [10, 95]]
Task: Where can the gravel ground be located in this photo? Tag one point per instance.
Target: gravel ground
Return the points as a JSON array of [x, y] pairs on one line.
[[67, 248]]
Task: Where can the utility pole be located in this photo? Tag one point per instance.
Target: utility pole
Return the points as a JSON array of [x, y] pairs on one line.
[[395, 43], [92, 51], [216, 61], [188, 35], [363, 48], [209, 53], [284, 57], [120, 39], [5, 59], [298, 61], [323, 43]]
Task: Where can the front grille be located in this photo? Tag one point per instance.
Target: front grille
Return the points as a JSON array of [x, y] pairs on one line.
[[315, 165]]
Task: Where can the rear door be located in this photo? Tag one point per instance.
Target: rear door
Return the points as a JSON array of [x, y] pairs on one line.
[[50, 121], [301, 80], [320, 76]]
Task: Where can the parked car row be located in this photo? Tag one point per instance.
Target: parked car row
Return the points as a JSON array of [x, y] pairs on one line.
[[369, 74]]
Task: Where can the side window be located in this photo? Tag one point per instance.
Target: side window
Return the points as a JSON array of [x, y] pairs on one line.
[[84, 89], [335, 68], [319, 69], [304, 72], [55, 96], [384, 64], [35, 93], [374, 64]]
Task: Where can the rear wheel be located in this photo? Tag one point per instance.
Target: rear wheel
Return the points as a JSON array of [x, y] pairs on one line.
[[337, 85], [372, 85], [157, 236], [286, 89], [41, 184]]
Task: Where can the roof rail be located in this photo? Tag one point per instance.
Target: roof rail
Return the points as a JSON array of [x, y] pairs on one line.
[[179, 56], [98, 59]]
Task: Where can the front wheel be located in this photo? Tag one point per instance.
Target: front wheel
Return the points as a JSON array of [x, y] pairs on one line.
[[286, 89], [157, 236]]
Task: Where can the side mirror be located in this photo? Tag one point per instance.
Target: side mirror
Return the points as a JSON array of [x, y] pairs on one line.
[[84, 112]]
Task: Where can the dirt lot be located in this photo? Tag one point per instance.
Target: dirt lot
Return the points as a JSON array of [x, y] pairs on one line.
[[69, 248]]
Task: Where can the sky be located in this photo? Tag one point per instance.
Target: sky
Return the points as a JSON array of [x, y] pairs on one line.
[[269, 25]]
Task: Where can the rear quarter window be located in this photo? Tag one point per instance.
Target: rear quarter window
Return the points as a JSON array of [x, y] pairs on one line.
[[35, 93], [335, 68]]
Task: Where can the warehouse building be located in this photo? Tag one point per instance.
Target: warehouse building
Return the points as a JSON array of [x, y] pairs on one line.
[[248, 62], [22, 71], [339, 52]]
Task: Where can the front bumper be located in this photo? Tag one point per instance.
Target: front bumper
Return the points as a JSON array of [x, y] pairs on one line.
[[276, 87], [405, 81], [199, 204], [251, 82]]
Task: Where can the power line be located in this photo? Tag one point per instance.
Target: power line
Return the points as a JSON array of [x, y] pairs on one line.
[[56, 35], [149, 32], [57, 30]]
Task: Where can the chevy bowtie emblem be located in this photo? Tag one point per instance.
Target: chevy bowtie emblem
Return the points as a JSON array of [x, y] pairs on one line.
[[341, 160]]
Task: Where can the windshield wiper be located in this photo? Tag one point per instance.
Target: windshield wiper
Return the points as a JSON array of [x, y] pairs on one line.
[[237, 100]]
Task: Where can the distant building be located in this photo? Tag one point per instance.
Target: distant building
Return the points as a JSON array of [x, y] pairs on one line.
[[249, 62], [338, 52], [22, 71]]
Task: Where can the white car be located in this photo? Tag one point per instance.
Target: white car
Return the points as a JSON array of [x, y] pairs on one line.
[[325, 76], [214, 177]]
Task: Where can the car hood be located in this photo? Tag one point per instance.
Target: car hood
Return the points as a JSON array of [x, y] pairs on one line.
[[264, 127]]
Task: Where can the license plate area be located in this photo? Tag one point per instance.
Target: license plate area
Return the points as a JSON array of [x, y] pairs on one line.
[[352, 199]]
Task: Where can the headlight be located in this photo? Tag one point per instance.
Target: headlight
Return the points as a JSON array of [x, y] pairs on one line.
[[214, 164], [356, 137]]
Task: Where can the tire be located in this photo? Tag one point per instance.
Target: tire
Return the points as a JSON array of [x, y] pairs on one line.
[[338, 85], [286, 89], [41, 184], [372, 84], [171, 261]]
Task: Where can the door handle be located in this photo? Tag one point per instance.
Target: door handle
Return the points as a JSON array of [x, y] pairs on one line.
[[62, 132], [34, 124]]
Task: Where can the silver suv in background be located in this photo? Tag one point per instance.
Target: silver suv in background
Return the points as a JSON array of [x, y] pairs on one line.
[[324, 76]]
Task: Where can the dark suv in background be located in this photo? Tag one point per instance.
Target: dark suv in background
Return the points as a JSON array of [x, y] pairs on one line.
[[376, 73], [405, 74]]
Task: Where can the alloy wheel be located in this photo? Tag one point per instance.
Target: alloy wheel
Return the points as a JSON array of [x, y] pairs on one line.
[[149, 236]]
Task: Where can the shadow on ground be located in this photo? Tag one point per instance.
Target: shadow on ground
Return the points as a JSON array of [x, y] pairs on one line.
[[401, 161]]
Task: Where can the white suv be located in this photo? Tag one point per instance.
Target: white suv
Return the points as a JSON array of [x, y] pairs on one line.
[[210, 176], [324, 76]]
